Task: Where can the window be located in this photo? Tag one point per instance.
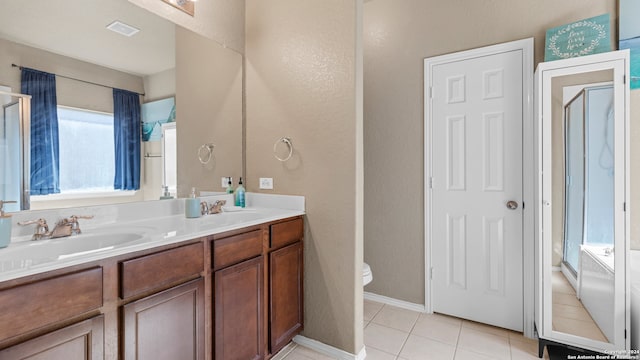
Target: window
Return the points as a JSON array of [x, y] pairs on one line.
[[87, 156]]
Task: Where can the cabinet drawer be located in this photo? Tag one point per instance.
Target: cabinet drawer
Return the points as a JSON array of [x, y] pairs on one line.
[[159, 270], [84, 340], [286, 233], [234, 249], [32, 306]]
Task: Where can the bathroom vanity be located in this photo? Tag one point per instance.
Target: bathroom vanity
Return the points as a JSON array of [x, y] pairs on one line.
[[217, 287]]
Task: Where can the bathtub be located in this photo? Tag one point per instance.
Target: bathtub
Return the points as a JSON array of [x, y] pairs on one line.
[[596, 286], [634, 259]]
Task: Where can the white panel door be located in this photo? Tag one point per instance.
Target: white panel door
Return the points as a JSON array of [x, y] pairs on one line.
[[477, 115]]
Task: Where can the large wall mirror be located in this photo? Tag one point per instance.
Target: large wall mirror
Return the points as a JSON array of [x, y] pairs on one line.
[[70, 39], [583, 229]]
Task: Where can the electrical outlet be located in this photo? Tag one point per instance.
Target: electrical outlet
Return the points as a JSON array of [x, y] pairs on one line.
[[225, 181], [266, 183]]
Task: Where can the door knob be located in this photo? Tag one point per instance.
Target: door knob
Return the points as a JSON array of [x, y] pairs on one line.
[[512, 205]]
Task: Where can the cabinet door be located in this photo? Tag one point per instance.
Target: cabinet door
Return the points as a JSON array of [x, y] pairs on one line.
[[81, 341], [238, 311], [285, 295], [166, 326]]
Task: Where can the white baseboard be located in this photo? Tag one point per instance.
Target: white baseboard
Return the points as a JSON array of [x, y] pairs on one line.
[[394, 302], [329, 350], [282, 354]]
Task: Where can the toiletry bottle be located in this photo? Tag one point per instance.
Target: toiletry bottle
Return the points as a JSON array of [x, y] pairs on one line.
[[5, 225], [229, 186], [192, 205], [240, 200], [166, 194]]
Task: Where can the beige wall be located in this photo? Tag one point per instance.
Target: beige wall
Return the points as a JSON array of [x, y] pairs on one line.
[[302, 81], [160, 86], [220, 20], [208, 110], [398, 35]]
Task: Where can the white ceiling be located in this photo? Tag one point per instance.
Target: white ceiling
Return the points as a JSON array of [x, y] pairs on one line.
[[77, 29]]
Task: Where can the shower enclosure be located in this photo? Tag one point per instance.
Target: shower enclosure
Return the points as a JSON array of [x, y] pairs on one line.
[[14, 150], [589, 173]]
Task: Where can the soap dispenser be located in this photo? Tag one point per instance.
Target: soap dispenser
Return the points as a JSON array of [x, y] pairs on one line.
[[5, 225], [192, 205], [229, 186], [240, 196]]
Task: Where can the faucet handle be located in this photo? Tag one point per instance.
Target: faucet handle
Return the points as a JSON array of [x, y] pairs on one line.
[[75, 226], [42, 229], [76, 217], [204, 208]]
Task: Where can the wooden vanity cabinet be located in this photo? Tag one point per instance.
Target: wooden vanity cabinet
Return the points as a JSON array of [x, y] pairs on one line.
[[81, 341], [166, 326], [169, 323], [238, 284], [61, 327], [285, 283], [236, 295], [238, 309], [258, 290]]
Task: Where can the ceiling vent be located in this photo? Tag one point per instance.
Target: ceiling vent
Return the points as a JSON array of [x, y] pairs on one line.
[[122, 28]]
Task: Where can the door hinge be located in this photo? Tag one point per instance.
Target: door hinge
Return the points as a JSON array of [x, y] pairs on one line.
[[430, 92], [523, 205], [624, 79], [430, 182], [624, 206], [625, 333], [431, 273]]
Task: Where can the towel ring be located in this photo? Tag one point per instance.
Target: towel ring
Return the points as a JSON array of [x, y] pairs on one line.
[[287, 141], [205, 152]]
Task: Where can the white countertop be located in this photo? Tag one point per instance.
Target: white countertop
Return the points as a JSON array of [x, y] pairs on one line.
[[23, 257]]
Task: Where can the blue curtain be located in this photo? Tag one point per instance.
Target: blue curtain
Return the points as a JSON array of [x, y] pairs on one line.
[[126, 128], [45, 160]]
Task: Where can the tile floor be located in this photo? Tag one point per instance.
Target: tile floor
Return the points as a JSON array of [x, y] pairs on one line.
[[569, 315], [391, 333]]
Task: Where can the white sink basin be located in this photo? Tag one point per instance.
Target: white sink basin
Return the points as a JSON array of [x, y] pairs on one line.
[[27, 254]]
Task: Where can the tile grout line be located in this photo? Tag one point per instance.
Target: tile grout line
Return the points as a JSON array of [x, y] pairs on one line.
[[510, 339], [410, 333], [455, 351]]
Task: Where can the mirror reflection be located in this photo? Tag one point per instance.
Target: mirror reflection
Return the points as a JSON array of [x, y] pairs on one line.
[[69, 38], [11, 148], [583, 288]]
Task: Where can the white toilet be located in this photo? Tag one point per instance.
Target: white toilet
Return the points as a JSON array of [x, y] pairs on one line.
[[367, 276]]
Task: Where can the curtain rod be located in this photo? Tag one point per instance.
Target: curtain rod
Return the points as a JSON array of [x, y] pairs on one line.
[[84, 81]]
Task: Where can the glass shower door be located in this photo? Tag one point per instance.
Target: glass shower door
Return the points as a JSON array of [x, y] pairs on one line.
[[14, 160], [574, 180], [589, 157], [599, 174]]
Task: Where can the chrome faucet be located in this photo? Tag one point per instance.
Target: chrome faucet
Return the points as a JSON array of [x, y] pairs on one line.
[[65, 227], [41, 231], [216, 207]]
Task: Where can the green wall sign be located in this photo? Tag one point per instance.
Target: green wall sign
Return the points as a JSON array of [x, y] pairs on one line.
[[584, 37]]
